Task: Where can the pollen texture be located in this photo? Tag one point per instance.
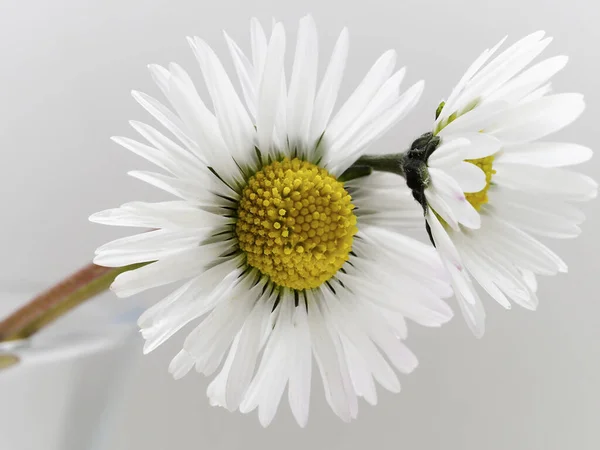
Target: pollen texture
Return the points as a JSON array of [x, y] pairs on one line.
[[295, 224], [481, 198]]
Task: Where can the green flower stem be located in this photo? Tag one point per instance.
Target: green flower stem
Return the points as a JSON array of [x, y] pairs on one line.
[[366, 164], [59, 300], [355, 171]]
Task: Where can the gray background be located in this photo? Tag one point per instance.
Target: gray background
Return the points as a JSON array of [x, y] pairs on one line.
[[67, 69]]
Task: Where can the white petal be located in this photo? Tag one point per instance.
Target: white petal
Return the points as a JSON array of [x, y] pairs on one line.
[[563, 183], [181, 365], [415, 301], [146, 247], [188, 163], [476, 120], [259, 44], [385, 98], [169, 269], [380, 109], [267, 386], [538, 93], [536, 202], [301, 94], [194, 299], [535, 220], [400, 248], [235, 124], [493, 272], [465, 293], [346, 319], [531, 79], [216, 390], [523, 45], [525, 251], [155, 239], [470, 72], [276, 367], [209, 341], [246, 74], [437, 203], [280, 133], [487, 81], [360, 98], [155, 156], [398, 354], [197, 295], [168, 119], [175, 214], [300, 374], [545, 154], [485, 280], [442, 240], [469, 177], [481, 145], [362, 380], [536, 214], [529, 279], [449, 190], [186, 189], [330, 86], [449, 152], [270, 89], [389, 117], [244, 362], [161, 77], [201, 122], [467, 297], [537, 118], [341, 160], [330, 366], [372, 196], [468, 300]]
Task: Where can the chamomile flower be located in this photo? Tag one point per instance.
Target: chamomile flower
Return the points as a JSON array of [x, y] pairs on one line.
[[284, 259], [493, 186]]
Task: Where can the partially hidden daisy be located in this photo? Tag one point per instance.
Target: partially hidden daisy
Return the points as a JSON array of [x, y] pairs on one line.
[[491, 187], [285, 259]]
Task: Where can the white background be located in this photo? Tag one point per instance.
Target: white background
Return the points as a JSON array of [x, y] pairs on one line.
[[533, 381]]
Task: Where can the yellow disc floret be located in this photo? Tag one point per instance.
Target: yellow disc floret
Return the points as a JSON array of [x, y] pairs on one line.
[[295, 224], [481, 198]]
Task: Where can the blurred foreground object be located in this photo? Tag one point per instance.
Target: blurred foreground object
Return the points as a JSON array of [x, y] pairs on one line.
[[63, 388]]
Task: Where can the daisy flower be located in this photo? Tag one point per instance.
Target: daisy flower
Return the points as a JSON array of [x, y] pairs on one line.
[[284, 258], [492, 186]]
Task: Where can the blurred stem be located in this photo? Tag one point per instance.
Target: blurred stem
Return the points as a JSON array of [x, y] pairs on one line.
[[48, 306], [7, 360]]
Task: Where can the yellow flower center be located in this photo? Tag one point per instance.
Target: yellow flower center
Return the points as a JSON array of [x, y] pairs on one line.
[[295, 224], [481, 198]]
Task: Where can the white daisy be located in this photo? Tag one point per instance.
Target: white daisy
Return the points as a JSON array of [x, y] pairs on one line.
[[283, 260], [492, 184]]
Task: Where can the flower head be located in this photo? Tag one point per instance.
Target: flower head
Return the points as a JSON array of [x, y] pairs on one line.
[[493, 185], [284, 259]]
